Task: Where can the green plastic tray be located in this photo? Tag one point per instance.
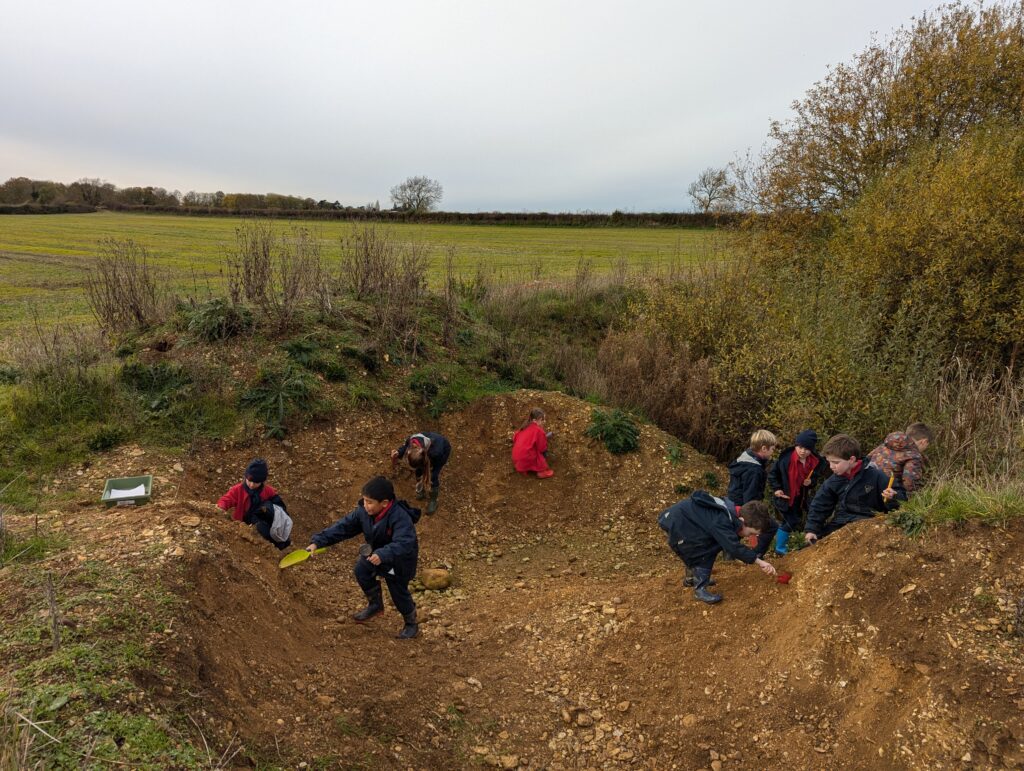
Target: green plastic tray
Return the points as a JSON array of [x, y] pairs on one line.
[[127, 483]]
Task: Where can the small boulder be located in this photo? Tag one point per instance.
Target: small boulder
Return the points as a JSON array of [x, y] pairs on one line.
[[436, 578]]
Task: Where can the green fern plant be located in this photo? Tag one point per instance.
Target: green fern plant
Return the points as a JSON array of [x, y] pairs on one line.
[[617, 429], [281, 390]]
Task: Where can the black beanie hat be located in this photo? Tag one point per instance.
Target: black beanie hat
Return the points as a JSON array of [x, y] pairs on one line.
[[380, 489], [806, 438], [257, 470]]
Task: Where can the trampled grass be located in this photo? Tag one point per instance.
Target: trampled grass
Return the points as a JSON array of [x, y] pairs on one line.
[[43, 258]]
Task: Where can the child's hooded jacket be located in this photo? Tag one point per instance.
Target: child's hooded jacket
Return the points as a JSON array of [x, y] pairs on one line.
[[391, 535], [702, 525]]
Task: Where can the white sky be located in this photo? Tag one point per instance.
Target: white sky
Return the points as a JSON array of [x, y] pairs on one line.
[[533, 105]]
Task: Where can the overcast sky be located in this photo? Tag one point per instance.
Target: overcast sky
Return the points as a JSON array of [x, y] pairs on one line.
[[533, 105]]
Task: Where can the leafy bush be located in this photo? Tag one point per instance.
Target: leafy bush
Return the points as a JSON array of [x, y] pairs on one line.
[[218, 319], [105, 437], [281, 391], [302, 351], [153, 378], [909, 521], [9, 374], [938, 240], [313, 356], [443, 387], [616, 429], [674, 453]]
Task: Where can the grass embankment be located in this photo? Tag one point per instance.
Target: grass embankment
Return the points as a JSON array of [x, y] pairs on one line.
[[43, 258], [84, 643]]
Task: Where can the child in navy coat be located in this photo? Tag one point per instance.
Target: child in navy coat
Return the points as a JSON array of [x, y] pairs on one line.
[[702, 526], [427, 453], [856, 490], [392, 550]]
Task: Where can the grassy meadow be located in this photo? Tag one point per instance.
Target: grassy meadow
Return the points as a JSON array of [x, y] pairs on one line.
[[43, 257]]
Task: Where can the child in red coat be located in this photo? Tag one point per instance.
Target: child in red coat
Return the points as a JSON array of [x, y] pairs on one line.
[[253, 501], [529, 444]]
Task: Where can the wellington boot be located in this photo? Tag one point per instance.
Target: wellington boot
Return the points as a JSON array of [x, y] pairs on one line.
[[374, 607], [691, 580], [545, 474], [411, 628], [781, 541], [420, 492], [432, 506], [700, 589]]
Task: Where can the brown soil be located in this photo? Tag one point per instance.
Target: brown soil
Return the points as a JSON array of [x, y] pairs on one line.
[[567, 640]]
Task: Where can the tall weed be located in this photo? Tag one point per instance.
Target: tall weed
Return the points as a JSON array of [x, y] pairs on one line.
[[393, 276], [277, 274], [124, 291]]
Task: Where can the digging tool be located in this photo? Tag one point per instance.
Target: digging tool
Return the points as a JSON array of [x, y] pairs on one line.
[[298, 556], [783, 578]]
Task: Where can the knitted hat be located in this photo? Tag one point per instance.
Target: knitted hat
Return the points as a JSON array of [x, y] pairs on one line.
[[257, 470], [806, 438], [380, 489]]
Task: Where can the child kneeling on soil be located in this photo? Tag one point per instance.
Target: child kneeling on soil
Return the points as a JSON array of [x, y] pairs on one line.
[[426, 453], [856, 490], [390, 552], [530, 446], [257, 503], [701, 526]]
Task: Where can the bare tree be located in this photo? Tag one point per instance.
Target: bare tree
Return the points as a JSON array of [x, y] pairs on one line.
[[417, 195], [713, 191]]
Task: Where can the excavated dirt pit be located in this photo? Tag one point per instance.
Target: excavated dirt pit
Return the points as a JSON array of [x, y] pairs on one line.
[[567, 640]]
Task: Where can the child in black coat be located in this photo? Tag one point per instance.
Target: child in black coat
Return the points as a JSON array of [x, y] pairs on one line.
[[747, 475], [427, 453], [793, 479], [856, 490], [701, 526], [389, 527]]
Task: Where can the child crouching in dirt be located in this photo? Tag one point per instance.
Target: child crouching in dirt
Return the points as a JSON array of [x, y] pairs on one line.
[[530, 445], [701, 526], [257, 503], [856, 490], [427, 453], [390, 552]]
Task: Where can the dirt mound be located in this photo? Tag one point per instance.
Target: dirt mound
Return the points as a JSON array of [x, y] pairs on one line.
[[567, 640]]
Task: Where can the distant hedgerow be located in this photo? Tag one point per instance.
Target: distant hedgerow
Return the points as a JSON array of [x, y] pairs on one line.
[[617, 429]]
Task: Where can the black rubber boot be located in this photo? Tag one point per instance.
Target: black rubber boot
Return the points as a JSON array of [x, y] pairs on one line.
[[691, 581], [374, 607], [700, 588], [411, 628], [432, 506]]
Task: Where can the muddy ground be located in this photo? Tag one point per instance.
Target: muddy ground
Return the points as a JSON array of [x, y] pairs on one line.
[[566, 640]]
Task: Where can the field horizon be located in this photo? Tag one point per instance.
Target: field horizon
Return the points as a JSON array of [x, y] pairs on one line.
[[44, 258]]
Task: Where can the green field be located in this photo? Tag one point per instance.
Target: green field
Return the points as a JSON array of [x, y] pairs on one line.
[[43, 257]]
